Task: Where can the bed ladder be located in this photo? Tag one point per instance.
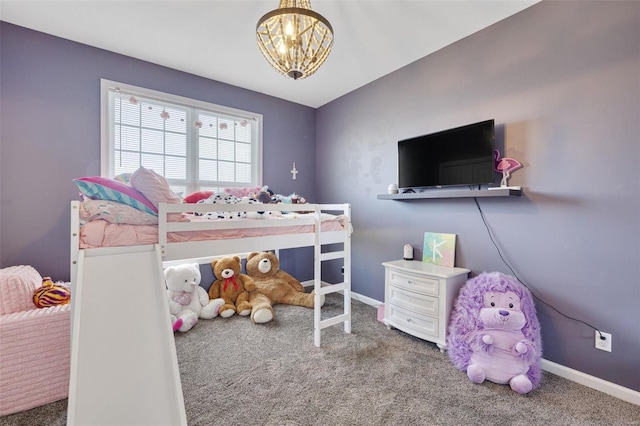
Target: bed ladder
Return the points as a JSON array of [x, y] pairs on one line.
[[124, 367], [345, 286]]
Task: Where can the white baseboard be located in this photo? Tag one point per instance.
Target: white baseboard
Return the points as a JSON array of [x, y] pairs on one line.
[[310, 283], [366, 300], [355, 296], [617, 391], [620, 392]]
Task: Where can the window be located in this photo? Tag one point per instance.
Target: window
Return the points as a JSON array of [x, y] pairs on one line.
[[195, 145]]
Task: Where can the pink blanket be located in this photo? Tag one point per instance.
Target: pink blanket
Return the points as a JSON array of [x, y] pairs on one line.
[[99, 233]]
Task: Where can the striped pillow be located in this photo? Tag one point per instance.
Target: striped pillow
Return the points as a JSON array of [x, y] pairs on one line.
[[101, 188]]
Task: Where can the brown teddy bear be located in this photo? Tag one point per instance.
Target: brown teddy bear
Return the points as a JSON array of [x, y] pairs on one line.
[[273, 285], [232, 286]]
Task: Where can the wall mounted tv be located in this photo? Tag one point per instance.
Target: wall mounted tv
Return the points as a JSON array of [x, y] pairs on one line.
[[458, 156]]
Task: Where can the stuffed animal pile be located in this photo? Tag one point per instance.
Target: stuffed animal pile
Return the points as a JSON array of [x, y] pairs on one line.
[[494, 333], [254, 293], [273, 285], [187, 300], [229, 196], [228, 199], [232, 286]]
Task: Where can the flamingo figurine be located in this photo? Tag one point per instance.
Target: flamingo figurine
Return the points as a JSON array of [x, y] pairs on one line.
[[505, 166]]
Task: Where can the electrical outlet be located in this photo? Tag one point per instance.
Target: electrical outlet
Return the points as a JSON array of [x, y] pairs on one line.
[[604, 345]]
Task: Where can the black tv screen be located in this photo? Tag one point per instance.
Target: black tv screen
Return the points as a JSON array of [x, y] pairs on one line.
[[458, 156]]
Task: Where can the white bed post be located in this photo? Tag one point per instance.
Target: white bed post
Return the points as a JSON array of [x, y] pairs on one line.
[[75, 252], [317, 278], [347, 273]]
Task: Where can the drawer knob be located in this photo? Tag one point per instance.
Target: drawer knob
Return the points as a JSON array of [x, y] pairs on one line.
[[409, 320], [410, 282]]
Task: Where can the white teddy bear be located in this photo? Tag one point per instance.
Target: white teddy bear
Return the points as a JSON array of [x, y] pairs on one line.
[[187, 300]]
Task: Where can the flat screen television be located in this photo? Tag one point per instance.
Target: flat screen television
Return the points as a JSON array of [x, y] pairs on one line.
[[459, 156]]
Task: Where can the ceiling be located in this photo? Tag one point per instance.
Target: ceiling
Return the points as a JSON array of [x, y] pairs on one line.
[[216, 38]]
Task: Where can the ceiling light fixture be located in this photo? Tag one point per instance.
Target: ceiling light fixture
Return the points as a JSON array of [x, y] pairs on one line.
[[294, 39]]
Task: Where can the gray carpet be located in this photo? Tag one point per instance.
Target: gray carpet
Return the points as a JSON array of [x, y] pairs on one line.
[[237, 373]]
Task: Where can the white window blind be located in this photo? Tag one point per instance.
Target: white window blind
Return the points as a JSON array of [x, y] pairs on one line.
[[193, 144]]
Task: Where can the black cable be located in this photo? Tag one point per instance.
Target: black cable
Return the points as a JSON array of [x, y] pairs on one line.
[[486, 225]]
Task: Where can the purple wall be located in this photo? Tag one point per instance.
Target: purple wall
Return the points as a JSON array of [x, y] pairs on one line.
[[50, 134], [562, 81], [560, 78]]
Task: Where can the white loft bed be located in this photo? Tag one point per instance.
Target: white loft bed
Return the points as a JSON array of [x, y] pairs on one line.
[[123, 360]]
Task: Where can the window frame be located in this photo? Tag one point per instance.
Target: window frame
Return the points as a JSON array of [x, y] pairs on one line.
[[107, 145]]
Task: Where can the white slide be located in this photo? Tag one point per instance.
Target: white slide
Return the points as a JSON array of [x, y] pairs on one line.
[[124, 367]]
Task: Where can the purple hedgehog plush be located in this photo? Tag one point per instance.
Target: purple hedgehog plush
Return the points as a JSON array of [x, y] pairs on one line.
[[494, 333]]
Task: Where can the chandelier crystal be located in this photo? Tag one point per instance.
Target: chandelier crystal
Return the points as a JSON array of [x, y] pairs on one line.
[[294, 39]]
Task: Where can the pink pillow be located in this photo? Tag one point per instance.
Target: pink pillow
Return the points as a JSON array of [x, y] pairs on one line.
[[17, 284], [101, 188], [153, 186]]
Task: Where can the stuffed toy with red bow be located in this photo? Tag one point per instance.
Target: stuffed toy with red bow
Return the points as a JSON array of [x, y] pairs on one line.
[[232, 286]]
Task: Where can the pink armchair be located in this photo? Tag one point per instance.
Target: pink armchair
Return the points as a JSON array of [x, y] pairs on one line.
[[34, 344]]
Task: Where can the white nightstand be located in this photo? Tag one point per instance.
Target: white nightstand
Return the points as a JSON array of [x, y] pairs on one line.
[[419, 296]]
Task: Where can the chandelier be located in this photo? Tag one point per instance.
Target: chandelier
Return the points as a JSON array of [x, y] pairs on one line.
[[294, 39]]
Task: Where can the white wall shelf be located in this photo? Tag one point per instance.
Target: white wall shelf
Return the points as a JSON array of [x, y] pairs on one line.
[[453, 193]]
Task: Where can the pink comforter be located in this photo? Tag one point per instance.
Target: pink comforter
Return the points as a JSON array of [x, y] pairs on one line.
[[99, 233]]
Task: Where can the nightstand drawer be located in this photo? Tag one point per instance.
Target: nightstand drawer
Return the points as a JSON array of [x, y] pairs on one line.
[[415, 302], [414, 283], [410, 321], [419, 298]]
